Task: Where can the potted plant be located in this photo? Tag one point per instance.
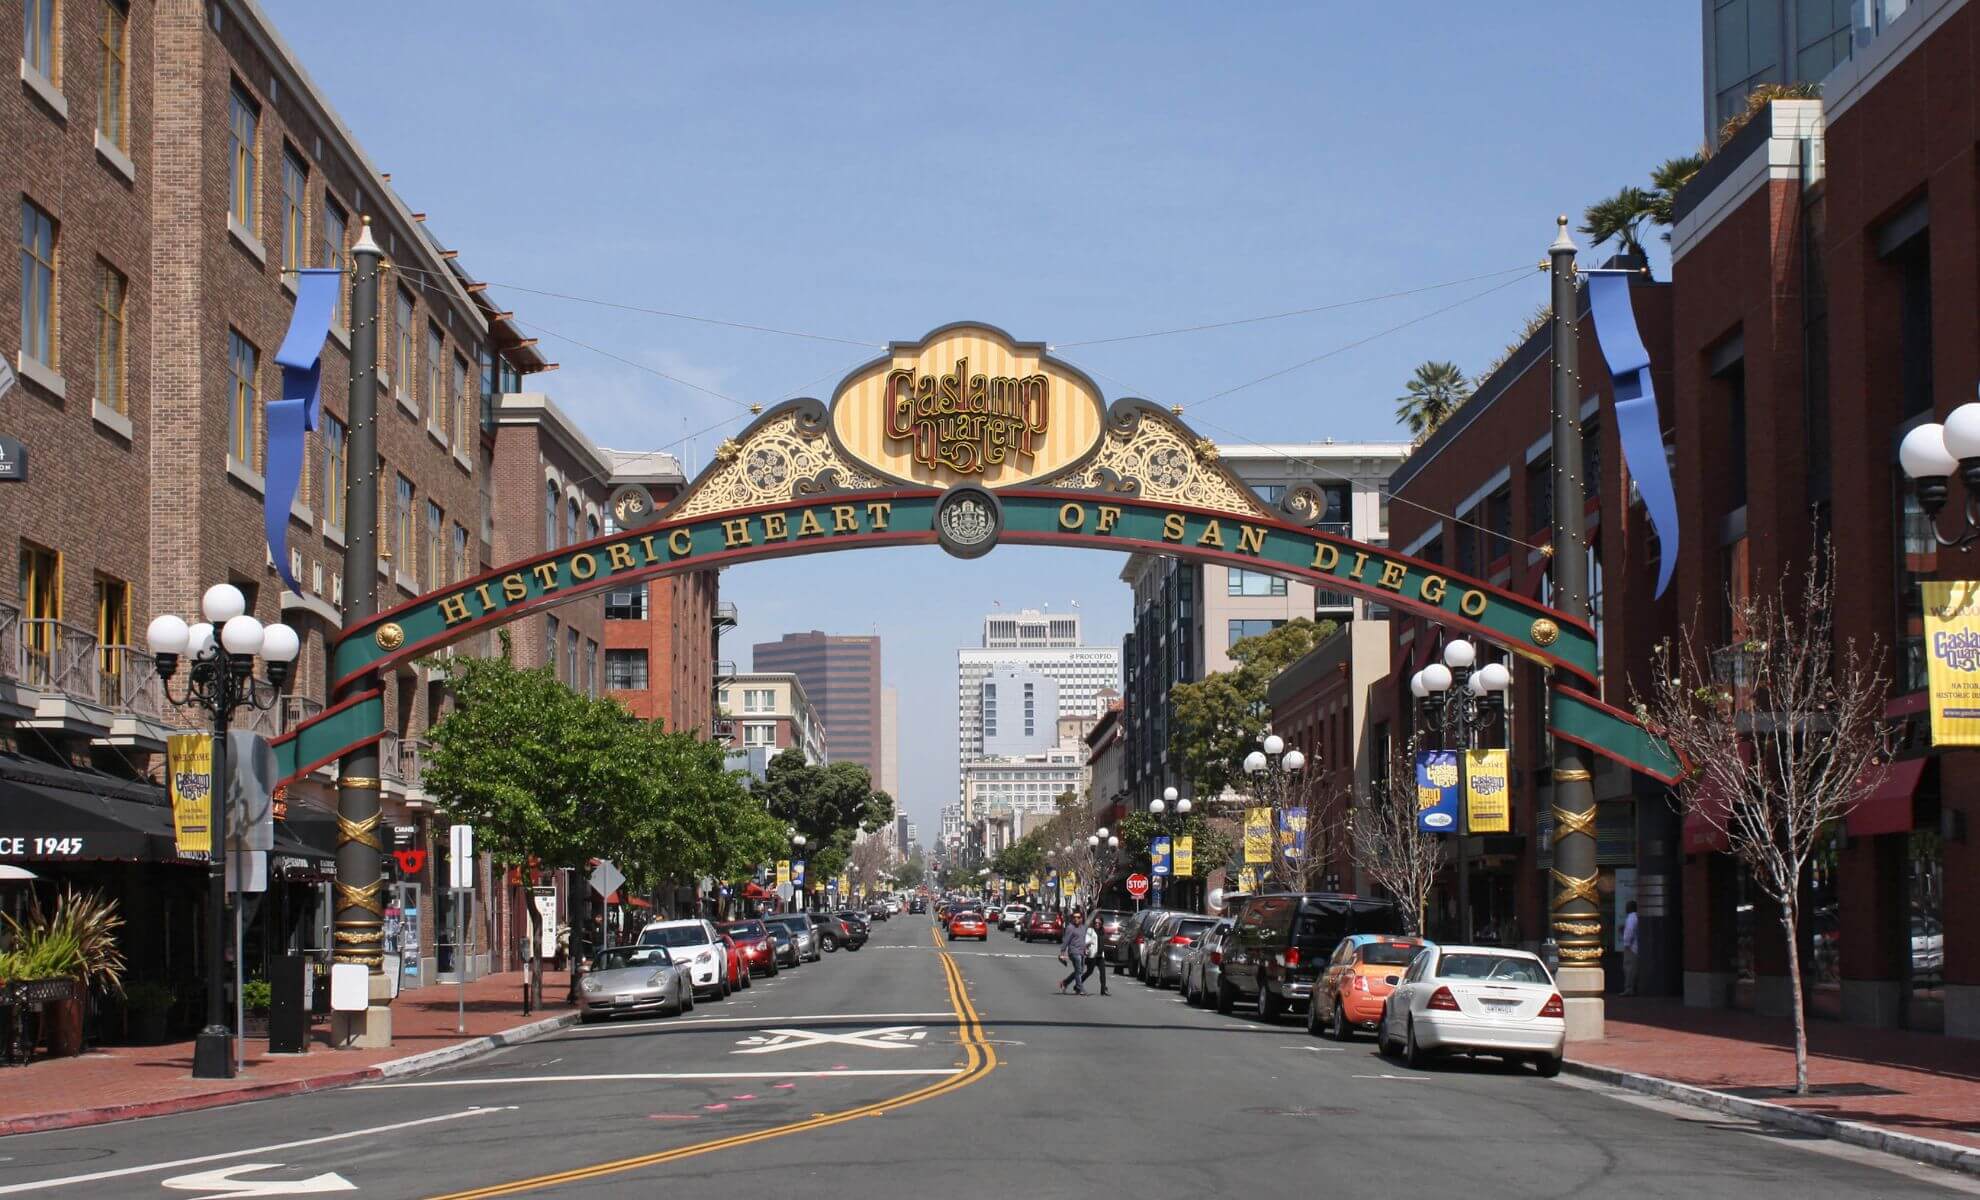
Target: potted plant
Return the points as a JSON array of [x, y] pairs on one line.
[[256, 997], [149, 1004], [74, 944]]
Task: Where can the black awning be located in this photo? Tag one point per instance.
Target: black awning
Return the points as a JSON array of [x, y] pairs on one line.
[[51, 815]]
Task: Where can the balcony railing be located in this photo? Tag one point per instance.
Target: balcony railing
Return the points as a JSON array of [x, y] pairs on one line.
[[389, 764], [725, 612], [127, 679], [10, 638], [297, 709], [412, 761], [58, 657], [725, 670]]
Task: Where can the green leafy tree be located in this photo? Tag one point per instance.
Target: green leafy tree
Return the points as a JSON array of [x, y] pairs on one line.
[[827, 804], [1219, 719], [1433, 393], [911, 873], [1620, 218]]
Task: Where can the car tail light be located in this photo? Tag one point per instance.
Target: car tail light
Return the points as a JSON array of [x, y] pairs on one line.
[[1217, 956], [1442, 1000], [1361, 983], [1179, 940], [1292, 957], [1553, 1007]]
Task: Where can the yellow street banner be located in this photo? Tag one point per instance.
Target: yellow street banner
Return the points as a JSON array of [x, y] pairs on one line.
[[189, 773], [844, 887], [1248, 879], [1185, 853], [1258, 835], [1487, 796], [1068, 883], [783, 871], [1032, 886], [1952, 662]]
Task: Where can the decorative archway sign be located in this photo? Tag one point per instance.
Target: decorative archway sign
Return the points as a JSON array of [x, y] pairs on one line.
[[968, 439]]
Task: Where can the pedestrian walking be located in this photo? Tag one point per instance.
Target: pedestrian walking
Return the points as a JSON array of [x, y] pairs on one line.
[[1093, 962], [1072, 950], [1629, 949]]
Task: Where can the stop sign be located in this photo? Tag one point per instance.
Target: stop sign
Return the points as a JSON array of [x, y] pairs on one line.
[[1137, 885]]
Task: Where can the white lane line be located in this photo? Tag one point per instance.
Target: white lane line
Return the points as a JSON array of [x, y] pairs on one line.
[[678, 1022], [512, 1080], [148, 1168]]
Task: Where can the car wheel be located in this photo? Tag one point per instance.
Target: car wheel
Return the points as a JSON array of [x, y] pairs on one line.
[[748, 979], [1414, 1056], [1549, 1065], [1269, 1006], [1313, 1016], [585, 1018], [1342, 1031], [1226, 997]]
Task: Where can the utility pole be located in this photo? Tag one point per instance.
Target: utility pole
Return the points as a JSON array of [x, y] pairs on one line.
[[1576, 917], [359, 907]]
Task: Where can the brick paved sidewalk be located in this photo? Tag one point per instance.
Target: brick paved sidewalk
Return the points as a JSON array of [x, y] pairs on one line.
[[1922, 1084], [116, 1082]]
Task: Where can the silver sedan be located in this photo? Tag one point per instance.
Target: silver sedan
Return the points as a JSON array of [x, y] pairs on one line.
[[634, 979]]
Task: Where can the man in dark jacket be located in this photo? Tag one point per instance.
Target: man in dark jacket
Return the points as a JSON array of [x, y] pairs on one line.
[[1072, 949]]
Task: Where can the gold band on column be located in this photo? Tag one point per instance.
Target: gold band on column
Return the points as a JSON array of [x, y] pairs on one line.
[[1574, 822], [363, 832], [366, 897], [360, 782], [1581, 953], [1571, 889], [1571, 775], [1578, 928]]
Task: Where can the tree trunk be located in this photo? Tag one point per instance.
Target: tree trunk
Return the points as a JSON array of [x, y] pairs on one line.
[[1789, 923]]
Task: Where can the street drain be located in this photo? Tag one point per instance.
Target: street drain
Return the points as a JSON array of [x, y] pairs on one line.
[[1322, 1111]]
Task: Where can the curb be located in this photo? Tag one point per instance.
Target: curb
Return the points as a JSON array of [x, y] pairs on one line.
[[1948, 1155], [412, 1064]]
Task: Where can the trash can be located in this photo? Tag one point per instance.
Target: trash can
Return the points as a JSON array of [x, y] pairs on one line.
[[288, 1008]]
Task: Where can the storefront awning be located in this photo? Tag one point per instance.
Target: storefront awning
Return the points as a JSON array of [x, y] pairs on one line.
[[1887, 809], [42, 821]]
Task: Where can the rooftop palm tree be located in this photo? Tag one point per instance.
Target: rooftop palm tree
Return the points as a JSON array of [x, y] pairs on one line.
[[1437, 390], [1670, 175], [1619, 217]]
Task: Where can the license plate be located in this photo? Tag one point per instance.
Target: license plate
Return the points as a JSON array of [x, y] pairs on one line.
[[1501, 1003]]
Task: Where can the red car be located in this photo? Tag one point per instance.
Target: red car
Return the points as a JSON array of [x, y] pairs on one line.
[[1048, 925], [735, 963], [968, 924], [751, 943]]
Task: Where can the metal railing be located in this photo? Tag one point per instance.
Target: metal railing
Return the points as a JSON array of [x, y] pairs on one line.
[[412, 761], [10, 636], [297, 709], [725, 612], [127, 679], [389, 763], [725, 670], [58, 657]]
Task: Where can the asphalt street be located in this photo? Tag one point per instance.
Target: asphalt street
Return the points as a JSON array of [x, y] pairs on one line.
[[911, 1069]]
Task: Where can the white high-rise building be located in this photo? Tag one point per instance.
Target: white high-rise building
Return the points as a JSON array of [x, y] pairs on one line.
[[1030, 629], [1019, 709], [1031, 644]]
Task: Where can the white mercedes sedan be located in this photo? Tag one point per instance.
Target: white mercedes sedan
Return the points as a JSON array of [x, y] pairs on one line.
[[1475, 1000]]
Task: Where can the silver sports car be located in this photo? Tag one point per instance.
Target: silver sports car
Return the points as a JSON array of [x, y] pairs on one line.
[[629, 979]]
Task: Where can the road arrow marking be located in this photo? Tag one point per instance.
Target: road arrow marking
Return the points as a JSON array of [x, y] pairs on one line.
[[223, 1179]]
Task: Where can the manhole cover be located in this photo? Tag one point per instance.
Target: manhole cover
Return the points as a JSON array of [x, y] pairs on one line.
[[1320, 1111]]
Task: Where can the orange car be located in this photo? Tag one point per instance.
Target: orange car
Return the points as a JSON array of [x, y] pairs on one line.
[[1356, 980], [968, 924]]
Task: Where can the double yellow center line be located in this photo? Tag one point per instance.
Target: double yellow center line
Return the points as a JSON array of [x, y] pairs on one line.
[[981, 1060]]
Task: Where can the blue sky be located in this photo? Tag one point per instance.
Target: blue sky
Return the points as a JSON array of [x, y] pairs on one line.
[[1069, 172]]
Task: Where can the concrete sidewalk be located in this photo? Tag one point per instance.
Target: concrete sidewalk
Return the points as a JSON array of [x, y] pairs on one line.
[[116, 1083], [1915, 1094]]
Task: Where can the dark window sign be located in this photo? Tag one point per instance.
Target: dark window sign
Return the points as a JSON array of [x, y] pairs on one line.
[[13, 460]]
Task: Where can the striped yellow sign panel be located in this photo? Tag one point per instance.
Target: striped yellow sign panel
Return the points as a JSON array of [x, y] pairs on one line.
[[1952, 661]]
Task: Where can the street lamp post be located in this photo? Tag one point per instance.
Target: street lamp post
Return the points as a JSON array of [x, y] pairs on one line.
[[1168, 802], [221, 680], [797, 852], [1931, 454], [1272, 767], [1462, 698], [1102, 846]]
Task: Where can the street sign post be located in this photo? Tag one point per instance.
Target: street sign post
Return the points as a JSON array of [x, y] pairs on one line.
[[605, 879], [1137, 886], [460, 877]]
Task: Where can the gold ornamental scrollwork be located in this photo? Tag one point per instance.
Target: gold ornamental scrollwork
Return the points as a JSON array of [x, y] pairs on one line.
[[362, 960], [1146, 453], [366, 897], [1570, 889], [346, 937], [1545, 632], [787, 458], [1566, 822], [363, 831], [1580, 953], [1578, 928]]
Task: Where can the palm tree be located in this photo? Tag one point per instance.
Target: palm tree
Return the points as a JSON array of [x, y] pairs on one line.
[[1670, 175], [1619, 217], [1437, 390]]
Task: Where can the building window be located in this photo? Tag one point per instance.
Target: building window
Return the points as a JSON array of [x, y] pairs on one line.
[[759, 700], [590, 528], [336, 470], [436, 392], [405, 536], [759, 733], [243, 168], [625, 670], [110, 119], [1242, 629], [1499, 521], [1823, 29], [336, 228], [463, 411], [1240, 582], [571, 522], [549, 516], [41, 608], [1733, 378], [550, 624], [110, 338], [402, 346], [590, 667], [461, 566], [295, 219], [1746, 36], [436, 545], [38, 40], [1913, 260], [626, 606], [242, 362], [38, 285], [113, 636], [1540, 494], [571, 657]]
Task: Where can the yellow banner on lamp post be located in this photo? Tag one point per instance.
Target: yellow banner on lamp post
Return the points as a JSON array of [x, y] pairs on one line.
[[189, 775], [1185, 857], [1258, 835], [1068, 883], [1952, 660], [1487, 794], [783, 872]]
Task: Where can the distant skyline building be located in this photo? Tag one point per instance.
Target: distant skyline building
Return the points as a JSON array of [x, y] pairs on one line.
[[1020, 711], [1030, 629], [1028, 644], [890, 742], [841, 675]]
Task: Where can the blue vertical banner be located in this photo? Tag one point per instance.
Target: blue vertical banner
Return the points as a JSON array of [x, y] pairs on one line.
[[1638, 427], [1437, 781], [1158, 856], [1292, 834], [797, 874], [290, 419]]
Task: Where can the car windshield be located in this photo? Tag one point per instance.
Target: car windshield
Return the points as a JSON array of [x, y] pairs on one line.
[[779, 933], [1389, 954], [1191, 928], [1500, 967], [795, 924], [620, 957], [743, 929], [675, 935]]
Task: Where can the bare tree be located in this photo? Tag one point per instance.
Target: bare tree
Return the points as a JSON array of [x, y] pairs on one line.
[[1784, 729], [870, 860], [1384, 841]]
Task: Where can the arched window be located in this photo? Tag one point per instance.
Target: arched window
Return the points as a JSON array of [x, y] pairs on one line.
[[571, 523], [591, 527], [549, 516]]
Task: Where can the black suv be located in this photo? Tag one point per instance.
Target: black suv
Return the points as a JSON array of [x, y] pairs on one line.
[[1279, 944]]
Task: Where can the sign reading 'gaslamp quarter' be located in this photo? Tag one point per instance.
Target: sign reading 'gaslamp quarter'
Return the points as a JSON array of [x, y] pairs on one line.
[[967, 423]]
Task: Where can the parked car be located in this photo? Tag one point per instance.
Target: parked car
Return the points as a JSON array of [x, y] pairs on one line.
[[968, 923], [1356, 982], [917, 905], [1281, 940], [1478, 1000], [735, 962], [879, 912], [992, 913], [855, 919], [759, 949], [787, 952], [1012, 917], [633, 979], [835, 932], [696, 945], [893, 905], [1175, 937], [1043, 924], [1203, 962], [799, 927], [1133, 936], [1108, 921]]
